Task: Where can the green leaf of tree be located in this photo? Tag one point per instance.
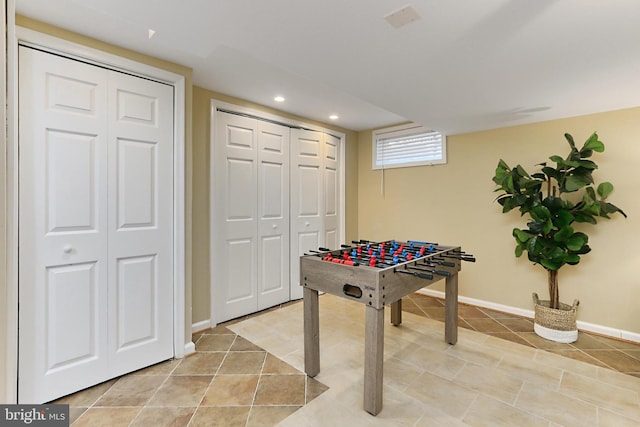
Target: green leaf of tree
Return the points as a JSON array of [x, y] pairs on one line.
[[574, 183], [593, 143], [572, 259], [569, 139], [522, 236], [604, 189], [562, 218], [563, 234], [519, 250], [576, 242], [557, 159]]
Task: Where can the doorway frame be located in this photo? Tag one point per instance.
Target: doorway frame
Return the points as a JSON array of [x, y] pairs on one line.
[[273, 117], [18, 35]]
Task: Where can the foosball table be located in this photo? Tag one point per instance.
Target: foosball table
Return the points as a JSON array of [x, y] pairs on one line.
[[376, 275]]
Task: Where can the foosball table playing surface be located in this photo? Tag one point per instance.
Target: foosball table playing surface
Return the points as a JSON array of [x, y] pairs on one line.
[[376, 275]]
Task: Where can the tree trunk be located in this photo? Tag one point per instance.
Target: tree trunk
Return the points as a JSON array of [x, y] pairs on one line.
[[554, 296]]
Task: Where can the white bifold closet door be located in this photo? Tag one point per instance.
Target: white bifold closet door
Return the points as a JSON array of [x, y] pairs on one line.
[[95, 224], [315, 193], [250, 248]]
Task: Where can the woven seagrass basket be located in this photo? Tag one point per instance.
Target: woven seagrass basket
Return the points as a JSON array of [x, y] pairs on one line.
[[562, 319]]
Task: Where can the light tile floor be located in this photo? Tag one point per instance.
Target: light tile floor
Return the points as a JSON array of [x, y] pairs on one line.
[[481, 381], [597, 350], [229, 381], [248, 372]]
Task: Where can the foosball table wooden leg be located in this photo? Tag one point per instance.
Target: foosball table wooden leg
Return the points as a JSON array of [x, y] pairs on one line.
[[373, 359], [451, 309], [311, 333], [396, 312]]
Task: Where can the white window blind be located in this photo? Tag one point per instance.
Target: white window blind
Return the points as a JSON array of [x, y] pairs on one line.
[[407, 145]]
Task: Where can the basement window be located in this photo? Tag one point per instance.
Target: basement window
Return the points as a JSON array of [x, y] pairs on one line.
[[408, 145]]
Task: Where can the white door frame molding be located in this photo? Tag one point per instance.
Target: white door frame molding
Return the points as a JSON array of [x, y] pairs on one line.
[[181, 343], [7, 319], [260, 114]]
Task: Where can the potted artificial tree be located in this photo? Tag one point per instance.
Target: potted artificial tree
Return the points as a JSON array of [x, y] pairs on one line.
[[553, 200]]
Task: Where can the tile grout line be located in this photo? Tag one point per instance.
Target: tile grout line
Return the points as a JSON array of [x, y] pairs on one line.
[[255, 392], [199, 405], [466, 412]]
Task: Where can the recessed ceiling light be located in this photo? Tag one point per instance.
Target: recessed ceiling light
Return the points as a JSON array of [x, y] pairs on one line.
[[279, 98], [333, 117]]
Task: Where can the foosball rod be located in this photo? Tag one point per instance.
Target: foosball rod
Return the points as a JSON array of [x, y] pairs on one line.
[[446, 253], [417, 261], [376, 247], [406, 245], [414, 273], [436, 247], [436, 257], [434, 271], [337, 260], [364, 241], [466, 257]]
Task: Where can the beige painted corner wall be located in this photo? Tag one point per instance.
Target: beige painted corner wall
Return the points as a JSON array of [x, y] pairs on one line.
[[201, 191], [454, 204]]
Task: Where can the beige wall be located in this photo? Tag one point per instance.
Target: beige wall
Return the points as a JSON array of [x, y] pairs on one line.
[[454, 204], [201, 170]]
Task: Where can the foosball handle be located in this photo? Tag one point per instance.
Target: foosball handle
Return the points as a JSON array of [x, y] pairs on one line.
[[440, 261], [442, 273], [414, 273]]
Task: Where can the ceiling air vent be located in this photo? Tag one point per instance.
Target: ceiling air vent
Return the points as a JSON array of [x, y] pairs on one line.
[[402, 17]]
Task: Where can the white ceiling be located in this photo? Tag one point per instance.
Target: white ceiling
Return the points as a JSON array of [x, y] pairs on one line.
[[464, 65]]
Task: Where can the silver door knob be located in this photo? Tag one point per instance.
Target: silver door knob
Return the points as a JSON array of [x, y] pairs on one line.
[[67, 249], [306, 224]]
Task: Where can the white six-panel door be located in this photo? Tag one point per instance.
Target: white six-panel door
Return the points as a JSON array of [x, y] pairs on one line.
[[140, 216], [273, 214], [234, 264], [250, 262], [331, 190], [314, 197], [95, 224]]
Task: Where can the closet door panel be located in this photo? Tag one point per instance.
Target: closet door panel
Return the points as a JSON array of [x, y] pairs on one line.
[[140, 246], [331, 189], [273, 213], [307, 199], [235, 215], [62, 249]]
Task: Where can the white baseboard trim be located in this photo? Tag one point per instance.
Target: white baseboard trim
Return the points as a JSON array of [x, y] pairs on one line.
[[200, 326], [583, 326], [481, 303], [189, 348]]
